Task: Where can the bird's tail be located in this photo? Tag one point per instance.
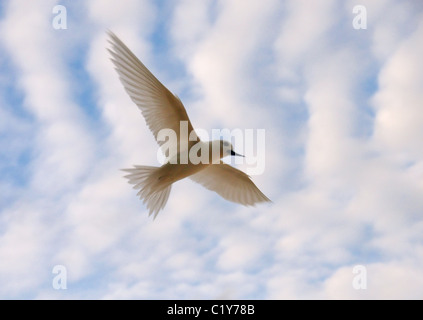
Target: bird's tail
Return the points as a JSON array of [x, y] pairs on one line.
[[153, 190]]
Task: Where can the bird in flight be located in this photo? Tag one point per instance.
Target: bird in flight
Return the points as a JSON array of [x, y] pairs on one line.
[[163, 110]]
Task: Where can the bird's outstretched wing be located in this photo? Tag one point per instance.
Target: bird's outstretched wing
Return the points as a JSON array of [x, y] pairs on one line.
[[230, 183], [160, 107]]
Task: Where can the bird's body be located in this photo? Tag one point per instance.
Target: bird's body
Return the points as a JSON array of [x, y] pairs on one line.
[[193, 158], [170, 173]]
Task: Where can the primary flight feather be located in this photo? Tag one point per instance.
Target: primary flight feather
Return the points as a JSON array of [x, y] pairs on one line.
[[163, 110]]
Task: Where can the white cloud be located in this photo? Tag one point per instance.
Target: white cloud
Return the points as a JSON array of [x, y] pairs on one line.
[[191, 21], [220, 60], [303, 27], [299, 70], [59, 121], [384, 281], [241, 250], [398, 102]]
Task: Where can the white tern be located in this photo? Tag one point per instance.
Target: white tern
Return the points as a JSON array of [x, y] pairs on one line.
[[164, 110]]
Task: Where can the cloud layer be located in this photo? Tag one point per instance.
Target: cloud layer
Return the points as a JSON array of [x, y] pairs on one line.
[[341, 110]]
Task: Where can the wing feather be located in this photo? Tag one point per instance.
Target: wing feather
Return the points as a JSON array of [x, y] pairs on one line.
[[230, 183], [160, 107]]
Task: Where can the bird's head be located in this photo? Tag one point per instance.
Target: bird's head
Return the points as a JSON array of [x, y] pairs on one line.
[[227, 149]]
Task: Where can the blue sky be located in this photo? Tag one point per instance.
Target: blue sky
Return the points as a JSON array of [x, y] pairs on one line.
[[342, 112]]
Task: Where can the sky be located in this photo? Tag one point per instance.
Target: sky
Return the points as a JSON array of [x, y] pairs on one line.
[[339, 101]]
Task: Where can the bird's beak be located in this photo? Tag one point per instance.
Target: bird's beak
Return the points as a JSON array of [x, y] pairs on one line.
[[233, 153]]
